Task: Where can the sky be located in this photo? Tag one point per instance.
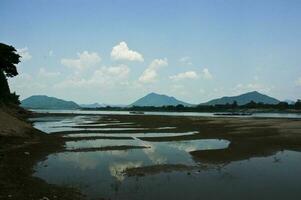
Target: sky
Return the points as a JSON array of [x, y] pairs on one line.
[[117, 51]]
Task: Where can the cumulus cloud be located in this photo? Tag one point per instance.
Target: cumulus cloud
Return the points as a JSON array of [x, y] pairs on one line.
[[24, 53], [150, 74], [114, 72], [38, 82], [122, 52], [185, 60], [27, 84], [117, 169], [184, 75], [206, 74], [84, 60], [101, 78], [44, 73]]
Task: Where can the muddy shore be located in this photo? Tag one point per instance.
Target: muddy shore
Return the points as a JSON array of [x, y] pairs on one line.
[[249, 137], [21, 147]]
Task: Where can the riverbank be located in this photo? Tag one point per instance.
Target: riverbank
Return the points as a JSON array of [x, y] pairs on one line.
[[21, 147], [248, 137]]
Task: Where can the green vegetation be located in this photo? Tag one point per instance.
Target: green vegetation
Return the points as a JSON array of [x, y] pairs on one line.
[[8, 61], [45, 102], [233, 107], [244, 99], [158, 100]]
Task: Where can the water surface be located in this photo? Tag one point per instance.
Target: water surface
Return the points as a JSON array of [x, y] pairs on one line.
[[200, 114], [100, 173]]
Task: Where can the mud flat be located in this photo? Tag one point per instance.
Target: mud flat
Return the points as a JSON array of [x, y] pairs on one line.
[[146, 146], [21, 147]]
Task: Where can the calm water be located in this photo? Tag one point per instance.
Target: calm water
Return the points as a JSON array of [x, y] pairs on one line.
[[101, 174], [201, 114]]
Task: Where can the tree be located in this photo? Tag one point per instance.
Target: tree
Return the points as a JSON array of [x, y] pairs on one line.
[[298, 104], [282, 105], [234, 104], [180, 106], [8, 61], [251, 104]]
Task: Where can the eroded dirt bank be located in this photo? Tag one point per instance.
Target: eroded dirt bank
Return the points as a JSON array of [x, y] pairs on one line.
[[21, 147]]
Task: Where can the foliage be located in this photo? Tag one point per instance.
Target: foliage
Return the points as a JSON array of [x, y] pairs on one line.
[[8, 61], [281, 106]]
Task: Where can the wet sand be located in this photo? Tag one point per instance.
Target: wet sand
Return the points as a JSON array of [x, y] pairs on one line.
[[249, 137]]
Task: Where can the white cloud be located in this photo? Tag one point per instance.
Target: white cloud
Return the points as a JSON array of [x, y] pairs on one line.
[[37, 82], [104, 77], [186, 60], [206, 74], [150, 74], [122, 52], [117, 169], [84, 60], [184, 75], [26, 85], [24, 53], [44, 73], [298, 81], [115, 72]]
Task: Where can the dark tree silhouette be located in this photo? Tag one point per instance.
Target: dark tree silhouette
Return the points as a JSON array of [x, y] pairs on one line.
[[234, 104], [298, 104], [8, 60]]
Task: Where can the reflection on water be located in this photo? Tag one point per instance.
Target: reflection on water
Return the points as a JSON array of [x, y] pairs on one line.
[[101, 174], [83, 123], [99, 143], [129, 134], [202, 114]]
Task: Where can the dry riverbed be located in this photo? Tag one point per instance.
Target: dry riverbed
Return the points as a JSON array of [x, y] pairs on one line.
[[248, 137]]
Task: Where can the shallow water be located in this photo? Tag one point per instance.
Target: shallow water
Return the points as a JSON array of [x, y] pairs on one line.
[[101, 173], [82, 123], [137, 135], [97, 172], [201, 114]]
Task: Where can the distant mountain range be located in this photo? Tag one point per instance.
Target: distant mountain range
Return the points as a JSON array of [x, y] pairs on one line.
[[98, 105], [93, 105], [289, 101], [45, 102], [244, 99], [154, 99]]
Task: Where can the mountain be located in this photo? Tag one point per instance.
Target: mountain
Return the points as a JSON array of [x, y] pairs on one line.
[[289, 101], [158, 100], [102, 105], [45, 102], [244, 99], [93, 105]]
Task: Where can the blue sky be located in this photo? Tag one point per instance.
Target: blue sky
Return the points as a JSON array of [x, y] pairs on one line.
[[117, 51]]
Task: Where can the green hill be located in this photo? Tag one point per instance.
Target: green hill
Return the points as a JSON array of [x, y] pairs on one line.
[[45, 102], [244, 99], [158, 100]]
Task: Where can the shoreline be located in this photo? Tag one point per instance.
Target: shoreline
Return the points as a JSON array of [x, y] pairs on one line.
[[18, 155], [249, 137]]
